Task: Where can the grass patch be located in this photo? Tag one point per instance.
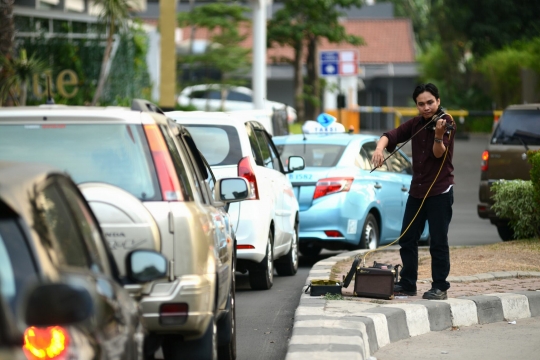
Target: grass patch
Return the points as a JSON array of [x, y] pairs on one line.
[[329, 296], [336, 273], [518, 255]]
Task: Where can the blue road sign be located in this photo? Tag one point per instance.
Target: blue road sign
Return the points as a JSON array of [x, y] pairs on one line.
[[329, 62], [329, 56], [338, 63]]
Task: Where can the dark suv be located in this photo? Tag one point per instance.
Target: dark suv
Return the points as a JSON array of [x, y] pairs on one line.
[[505, 158]]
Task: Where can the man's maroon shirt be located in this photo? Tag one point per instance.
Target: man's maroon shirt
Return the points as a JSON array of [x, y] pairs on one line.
[[425, 164]]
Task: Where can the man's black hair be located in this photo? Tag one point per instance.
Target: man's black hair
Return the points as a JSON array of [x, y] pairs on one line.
[[429, 87]]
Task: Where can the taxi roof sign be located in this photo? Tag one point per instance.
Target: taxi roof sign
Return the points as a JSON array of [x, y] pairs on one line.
[[313, 127], [326, 119]]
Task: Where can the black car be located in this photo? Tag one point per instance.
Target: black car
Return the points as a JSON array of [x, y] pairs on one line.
[[60, 293]]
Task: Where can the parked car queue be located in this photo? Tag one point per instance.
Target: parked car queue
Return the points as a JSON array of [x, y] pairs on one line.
[[150, 188], [57, 273], [195, 189]]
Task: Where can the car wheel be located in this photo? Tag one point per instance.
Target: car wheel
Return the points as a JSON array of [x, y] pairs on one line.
[[370, 233], [506, 232], [204, 348], [262, 278], [288, 265], [309, 249], [226, 326]]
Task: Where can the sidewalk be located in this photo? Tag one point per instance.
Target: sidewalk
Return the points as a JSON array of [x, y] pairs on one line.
[[355, 328]]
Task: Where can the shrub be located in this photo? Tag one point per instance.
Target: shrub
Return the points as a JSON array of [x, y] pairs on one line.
[[533, 157], [514, 200]]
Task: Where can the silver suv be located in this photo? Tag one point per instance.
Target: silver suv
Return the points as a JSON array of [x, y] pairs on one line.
[[149, 187]]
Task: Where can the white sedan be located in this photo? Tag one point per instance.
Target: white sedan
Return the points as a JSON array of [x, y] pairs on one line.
[[208, 97]]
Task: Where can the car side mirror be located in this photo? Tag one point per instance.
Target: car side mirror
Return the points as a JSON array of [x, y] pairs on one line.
[[145, 265], [57, 304], [295, 163], [230, 190]]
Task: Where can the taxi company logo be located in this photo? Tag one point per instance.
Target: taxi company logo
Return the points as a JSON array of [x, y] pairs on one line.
[[325, 119]]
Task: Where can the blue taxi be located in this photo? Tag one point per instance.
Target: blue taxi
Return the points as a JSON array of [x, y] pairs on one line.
[[343, 205]]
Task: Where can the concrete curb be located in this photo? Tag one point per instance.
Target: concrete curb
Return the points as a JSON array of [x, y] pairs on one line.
[[336, 329]]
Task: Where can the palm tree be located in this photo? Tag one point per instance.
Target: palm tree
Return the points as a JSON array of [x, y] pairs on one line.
[[114, 13], [7, 28], [7, 32], [17, 74]]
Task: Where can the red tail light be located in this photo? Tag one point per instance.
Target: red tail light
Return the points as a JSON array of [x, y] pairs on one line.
[[168, 180], [333, 233], [246, 171], [245, 247], [45, 343], [173, 314], [331, 186], [485, 159]]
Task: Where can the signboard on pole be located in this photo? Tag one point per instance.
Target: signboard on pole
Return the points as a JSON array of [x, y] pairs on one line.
[[338, 63]]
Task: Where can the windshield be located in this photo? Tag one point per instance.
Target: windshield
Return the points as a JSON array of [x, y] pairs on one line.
[[116, 154], [518, 126], [315, 155], [219, 144]]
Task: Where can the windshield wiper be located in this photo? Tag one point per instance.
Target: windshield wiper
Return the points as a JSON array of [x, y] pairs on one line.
[[525, 135]]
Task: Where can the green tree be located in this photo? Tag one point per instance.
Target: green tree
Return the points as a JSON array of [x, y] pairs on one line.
[[302, 24], [502, 70], [283, 30], [18, 74], [493, 24], [114, 13], [420, 13], [456, 40], [225, 54]]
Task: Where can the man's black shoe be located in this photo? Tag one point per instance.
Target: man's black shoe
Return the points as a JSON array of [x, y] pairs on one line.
[[435, 294], [398, 289]]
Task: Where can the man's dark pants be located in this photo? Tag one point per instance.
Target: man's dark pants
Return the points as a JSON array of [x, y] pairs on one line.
[[437, 210]]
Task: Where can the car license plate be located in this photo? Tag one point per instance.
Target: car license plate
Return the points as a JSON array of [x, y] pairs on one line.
[[294, 177]]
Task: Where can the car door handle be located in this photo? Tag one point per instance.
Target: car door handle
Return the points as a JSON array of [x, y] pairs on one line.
[[404, 188], [377, 186]]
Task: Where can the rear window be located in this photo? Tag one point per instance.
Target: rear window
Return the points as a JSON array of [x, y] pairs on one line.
[[219, 144], [206, 94], [116, 154], [315, 155], [517, 127], [236, 96]]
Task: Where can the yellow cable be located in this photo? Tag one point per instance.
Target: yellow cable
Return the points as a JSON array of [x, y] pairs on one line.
[[420, 208]]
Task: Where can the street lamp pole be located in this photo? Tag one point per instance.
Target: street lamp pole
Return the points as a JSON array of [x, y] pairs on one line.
[[259, 53], [167, 25]]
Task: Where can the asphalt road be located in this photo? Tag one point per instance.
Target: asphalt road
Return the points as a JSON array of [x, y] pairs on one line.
[[466, 227], [265, 318]]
